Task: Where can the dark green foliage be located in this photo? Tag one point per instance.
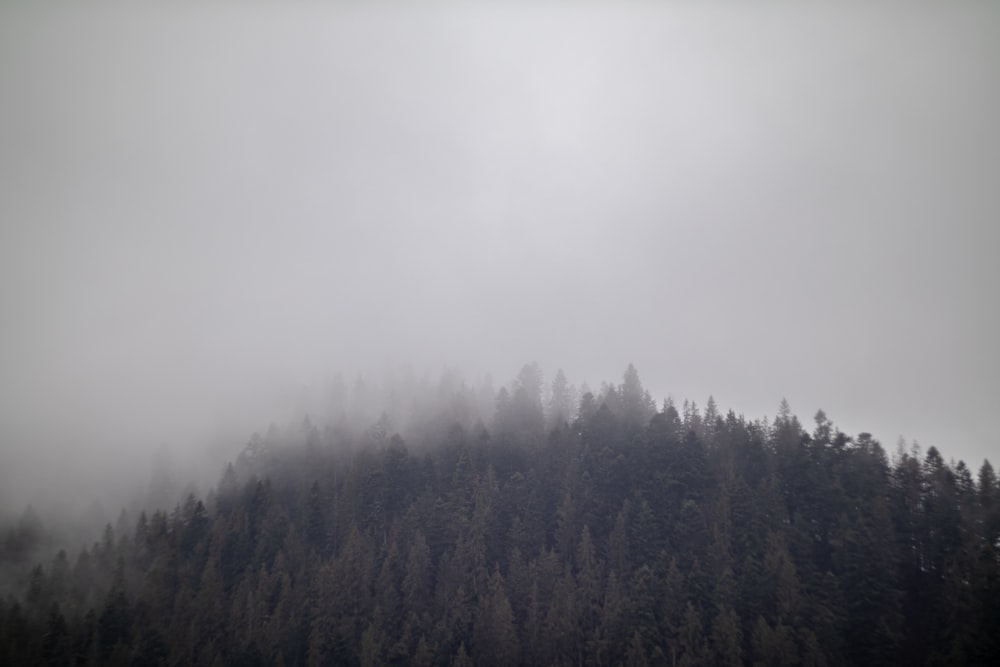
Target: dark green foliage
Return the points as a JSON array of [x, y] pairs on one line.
[[621, 536]]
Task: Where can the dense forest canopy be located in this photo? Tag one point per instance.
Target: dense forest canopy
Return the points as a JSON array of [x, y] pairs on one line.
[[538, 524]]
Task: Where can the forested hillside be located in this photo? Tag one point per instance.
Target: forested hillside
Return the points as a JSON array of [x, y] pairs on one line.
[[602, 529]]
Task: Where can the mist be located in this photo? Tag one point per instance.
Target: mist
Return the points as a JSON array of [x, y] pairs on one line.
[[208, 212]]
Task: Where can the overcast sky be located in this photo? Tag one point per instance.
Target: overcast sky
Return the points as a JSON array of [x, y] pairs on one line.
[[201, 207]]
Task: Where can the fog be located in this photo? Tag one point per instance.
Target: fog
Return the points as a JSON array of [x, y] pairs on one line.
[[205, 209]]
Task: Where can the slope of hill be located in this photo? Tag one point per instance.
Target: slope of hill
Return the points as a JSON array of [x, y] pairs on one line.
[[619, 532]]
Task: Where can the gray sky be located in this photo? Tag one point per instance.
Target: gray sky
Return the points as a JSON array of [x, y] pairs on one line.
[[202, 207]]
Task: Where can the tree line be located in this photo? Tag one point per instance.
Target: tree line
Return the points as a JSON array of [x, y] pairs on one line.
[[569, 527]]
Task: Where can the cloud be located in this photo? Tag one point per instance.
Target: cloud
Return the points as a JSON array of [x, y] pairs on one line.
[[204, 207]]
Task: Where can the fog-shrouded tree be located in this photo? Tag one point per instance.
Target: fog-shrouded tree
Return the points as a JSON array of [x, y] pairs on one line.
[[560, 408]]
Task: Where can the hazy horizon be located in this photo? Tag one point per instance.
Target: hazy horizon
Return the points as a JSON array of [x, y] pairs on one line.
[[203, 209]]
